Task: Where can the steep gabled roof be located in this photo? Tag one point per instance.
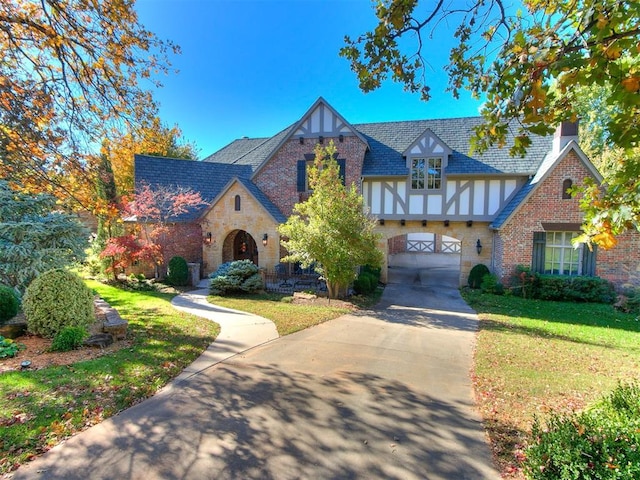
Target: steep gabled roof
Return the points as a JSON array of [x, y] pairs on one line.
[[389, 140], [255, 192], [206, 178], [251, 152], [257, 152], [548, 164]]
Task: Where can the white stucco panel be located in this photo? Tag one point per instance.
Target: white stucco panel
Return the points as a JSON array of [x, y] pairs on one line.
[[509, 188], [415, 204], [494, 197], [376, 198], [464, 202], [434, 204], [388, 201], [478, 197], [315, 121], [451, 189]]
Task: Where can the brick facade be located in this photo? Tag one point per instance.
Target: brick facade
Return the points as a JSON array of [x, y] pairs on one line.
[[513, 244], [278, 178]]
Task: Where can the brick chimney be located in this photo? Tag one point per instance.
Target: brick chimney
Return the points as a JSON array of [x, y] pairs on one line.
[[565, 132]]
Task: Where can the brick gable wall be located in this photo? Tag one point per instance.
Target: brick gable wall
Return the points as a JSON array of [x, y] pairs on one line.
[[278, 178], [513, 244]]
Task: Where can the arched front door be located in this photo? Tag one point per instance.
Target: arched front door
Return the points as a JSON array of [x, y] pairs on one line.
[[240, 245]]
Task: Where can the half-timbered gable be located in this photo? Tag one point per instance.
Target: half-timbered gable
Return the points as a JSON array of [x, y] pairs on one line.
[[429, 193]]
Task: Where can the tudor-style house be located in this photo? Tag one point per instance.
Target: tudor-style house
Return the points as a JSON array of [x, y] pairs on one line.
[[431, 198]]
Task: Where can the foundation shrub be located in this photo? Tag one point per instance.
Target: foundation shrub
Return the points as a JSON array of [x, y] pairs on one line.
[[491, 284], [574, 289], [600, 442], [55, 300], [9, 303], [178, 272], [241, 276], [476, 275]]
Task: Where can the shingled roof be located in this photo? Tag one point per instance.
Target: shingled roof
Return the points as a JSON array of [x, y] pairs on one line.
[[250, 152], [208, 179], [388, 140]]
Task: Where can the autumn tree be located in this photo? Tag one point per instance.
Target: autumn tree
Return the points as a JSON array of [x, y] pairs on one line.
[[528, 65], [153, 209], [149, 138], [331, 230], [72, 72]]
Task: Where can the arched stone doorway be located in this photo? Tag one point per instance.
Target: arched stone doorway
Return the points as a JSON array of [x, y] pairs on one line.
[[239, 245]]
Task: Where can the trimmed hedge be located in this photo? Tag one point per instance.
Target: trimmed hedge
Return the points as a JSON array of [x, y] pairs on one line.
[[573, 289], [367, 280], [601, 442], [9, 303], [476, 275], [55, 300], [178, 272]]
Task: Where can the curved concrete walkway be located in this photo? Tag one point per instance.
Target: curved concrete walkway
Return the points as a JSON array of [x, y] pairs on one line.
[[383, 394], [239, 331]]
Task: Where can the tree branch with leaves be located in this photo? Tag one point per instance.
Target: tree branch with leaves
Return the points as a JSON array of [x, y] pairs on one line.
[[527, 65]]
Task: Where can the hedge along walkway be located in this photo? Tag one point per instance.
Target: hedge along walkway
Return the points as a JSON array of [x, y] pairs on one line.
[[239, 331]]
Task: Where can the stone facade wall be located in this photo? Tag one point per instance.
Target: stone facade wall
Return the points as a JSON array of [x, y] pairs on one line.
[[468, 236], [278, 178], [224, 221], [515, 240]]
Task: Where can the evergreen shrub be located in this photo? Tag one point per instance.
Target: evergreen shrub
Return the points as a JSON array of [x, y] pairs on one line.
[[55, 300], [476, 274], [240, 276], [9, 303], [69, 338], [600, 442], [178, 272]]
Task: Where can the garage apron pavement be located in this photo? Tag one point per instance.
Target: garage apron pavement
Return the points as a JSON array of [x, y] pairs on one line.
[[379, 394]]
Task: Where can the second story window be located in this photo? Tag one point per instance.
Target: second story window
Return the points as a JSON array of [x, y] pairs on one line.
[[418, 169], [426, 173]]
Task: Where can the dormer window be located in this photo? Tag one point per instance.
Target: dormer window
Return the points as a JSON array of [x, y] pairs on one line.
[[426, 173]]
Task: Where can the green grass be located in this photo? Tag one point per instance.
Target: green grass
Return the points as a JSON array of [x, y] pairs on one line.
[[535, 357], [39, 408], [288, 317]]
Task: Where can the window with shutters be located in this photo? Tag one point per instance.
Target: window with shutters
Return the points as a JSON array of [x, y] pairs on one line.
[[303, 173], [554, 253]]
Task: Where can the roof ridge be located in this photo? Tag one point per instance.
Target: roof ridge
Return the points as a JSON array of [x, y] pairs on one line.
[[388, 122]]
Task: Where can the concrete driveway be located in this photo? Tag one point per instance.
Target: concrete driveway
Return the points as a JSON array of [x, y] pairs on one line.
[[382, 394]]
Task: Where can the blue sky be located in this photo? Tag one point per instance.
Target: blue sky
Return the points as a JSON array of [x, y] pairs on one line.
[[251, 68]]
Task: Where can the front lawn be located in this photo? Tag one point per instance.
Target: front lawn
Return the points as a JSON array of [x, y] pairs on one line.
[[534, 357], [40, 408], [288, 317]]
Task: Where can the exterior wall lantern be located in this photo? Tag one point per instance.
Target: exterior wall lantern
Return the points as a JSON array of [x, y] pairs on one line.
[[478, 247], [265, 239], [208, 238]]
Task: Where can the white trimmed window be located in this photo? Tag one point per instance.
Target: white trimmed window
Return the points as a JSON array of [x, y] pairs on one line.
[[560, 256], [426, 173]]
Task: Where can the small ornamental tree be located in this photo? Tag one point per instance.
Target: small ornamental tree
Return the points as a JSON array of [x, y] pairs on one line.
[[35, 237], [331, 230], [153, 209]]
